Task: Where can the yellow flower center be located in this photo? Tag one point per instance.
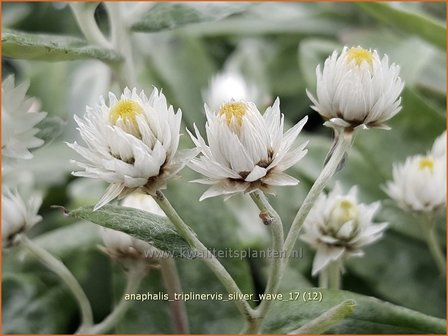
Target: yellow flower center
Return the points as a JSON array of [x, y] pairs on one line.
[[342, 212], [426, 163], [127, 110], [233, 110], [359, 55], [347, 211]]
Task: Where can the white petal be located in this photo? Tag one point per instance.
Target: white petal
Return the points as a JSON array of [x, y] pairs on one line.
[[279, 179], [111, 193], [255, 174]]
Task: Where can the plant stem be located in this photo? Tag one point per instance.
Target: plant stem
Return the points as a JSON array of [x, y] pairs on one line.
[[172, 285], [334, 275], [84, 15], [121, 41], [343, 144], [428, 228], [186, 232], [271, 218], [323, 279], [62, 271], [134, 278]]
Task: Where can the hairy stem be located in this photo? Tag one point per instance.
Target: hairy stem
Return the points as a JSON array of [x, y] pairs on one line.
[[84, 15], [271, 218], [185, 231], [134, 278], [428, 228], [323, 279], [63, 272], [133, 283], [121, 41], [172, 285], [341, 147], [334, 275]]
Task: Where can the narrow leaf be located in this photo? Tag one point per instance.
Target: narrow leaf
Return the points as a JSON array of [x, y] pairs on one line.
[[22, 45], [154, 229], [414, 23], [371, 315], [328, 319], [164, 16]]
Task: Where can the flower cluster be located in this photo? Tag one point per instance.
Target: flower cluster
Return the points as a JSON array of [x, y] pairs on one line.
[[338, 226]]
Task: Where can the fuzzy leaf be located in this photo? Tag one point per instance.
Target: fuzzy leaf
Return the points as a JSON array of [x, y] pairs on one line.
[[154, 229], [164, 16], [371, 315], [414, 23], [22, 45], [328, 319]]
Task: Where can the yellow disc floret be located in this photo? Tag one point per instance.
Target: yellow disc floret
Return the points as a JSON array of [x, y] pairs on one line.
[[426, 163], [126, 110], [343, 211], [233, 111], [359, 55], [347, 210]]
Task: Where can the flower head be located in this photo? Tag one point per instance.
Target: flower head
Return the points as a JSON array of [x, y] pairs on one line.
[[357, 89], [131, 143], [246, 150], [18, 215], [419, 183], [230, 86], [19, 119], [338, 226]]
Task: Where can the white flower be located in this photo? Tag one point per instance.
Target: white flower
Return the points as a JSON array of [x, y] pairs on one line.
[[18, 121], [357, 89], [338, 226], [131, 143], [419, 183], [439, 147], [18, 215], [126, 248], [230, 86], [246, 150]]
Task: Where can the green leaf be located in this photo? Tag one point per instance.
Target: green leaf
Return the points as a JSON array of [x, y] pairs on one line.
[[50, 129], [165, 16], [328, 319], [418, 24], [371, 315], [399, 259], [154, 229], [22, 45]]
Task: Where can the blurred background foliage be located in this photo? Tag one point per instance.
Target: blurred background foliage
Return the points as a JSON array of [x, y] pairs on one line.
[[179, 47]]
